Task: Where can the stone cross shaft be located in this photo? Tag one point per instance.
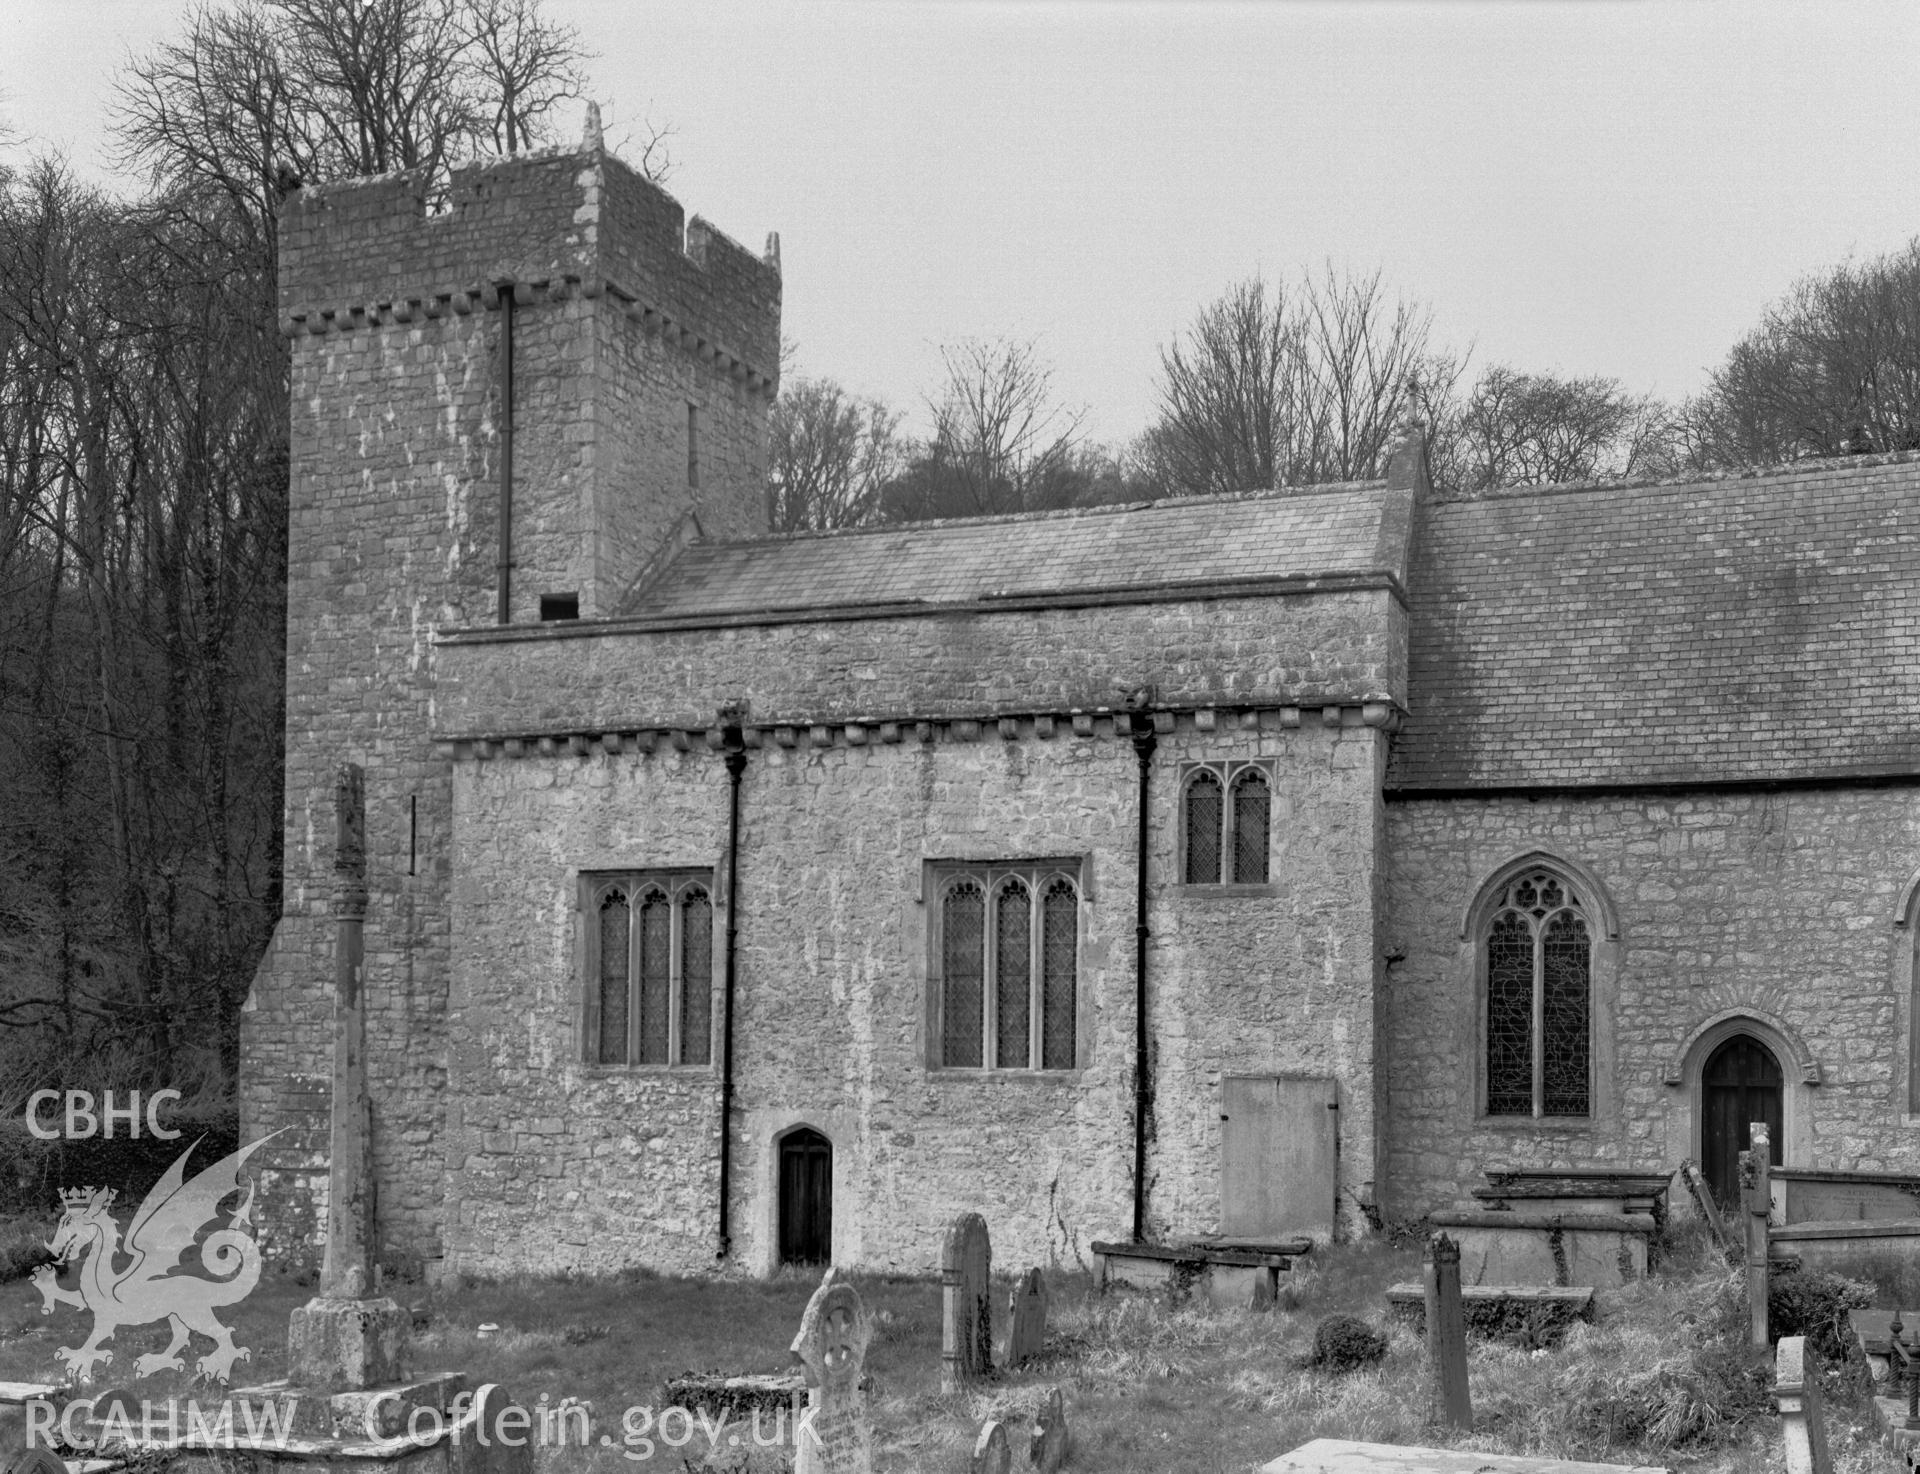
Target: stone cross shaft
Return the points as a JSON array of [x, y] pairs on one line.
[[348, 1268], [1448, 1397]]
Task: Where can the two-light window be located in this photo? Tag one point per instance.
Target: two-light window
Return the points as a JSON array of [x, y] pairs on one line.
[[1226, 823], [1007, 953], [650, 968], [1538, 954]]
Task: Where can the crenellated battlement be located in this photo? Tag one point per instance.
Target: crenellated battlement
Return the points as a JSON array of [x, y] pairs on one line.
[[454, 463], [367, 252]]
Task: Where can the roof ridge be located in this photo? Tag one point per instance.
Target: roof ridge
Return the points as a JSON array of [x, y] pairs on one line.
[[1771, 471], [1055, 514]]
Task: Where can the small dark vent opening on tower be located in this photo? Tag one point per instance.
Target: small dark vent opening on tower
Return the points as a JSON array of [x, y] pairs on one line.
[[559, 606]]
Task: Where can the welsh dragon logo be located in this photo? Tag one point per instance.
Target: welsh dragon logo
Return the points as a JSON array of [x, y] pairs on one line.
[[152, 1284]]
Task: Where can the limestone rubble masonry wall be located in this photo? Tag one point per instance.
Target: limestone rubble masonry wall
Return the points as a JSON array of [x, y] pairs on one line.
[[1267, 650], [1780, 903], [393, 533], [557, 1164]]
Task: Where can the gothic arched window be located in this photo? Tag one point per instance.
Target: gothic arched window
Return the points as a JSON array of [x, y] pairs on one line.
[[1006, 957], [650, 971], [1537, 950], [1226, 824]]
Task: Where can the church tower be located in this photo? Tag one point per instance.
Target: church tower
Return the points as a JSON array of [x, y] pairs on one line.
[[504, 403]]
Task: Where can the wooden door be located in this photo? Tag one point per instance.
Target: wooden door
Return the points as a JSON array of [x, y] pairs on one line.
[[806, 1198], [1279, 1157], [1739, 1085]]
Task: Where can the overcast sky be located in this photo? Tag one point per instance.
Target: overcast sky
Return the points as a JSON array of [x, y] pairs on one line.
[[1589, 187]]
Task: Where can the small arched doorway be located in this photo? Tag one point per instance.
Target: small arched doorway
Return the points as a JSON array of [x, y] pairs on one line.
[[1739, 1084], [806, 1197]]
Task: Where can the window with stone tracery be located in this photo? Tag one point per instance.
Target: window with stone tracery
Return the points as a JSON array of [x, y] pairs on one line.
[[1005, 966], [1226, 822], [1538, 955], [649, 968]]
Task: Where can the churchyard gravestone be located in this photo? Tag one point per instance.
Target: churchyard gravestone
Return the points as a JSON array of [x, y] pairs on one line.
[[1703, 1200], [1756, 1200], [1027, 1319], [966, 1325], [1448, 1400], [1047, 1447], [1803, 1425], [992, 1450], [832, 1346]]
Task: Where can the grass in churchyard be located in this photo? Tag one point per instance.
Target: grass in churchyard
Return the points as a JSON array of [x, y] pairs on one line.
[[1659, 1378]]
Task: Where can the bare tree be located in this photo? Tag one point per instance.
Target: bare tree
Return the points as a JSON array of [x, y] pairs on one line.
[[1001, 441], [259, 93], [831, 454], [1233, 395], [1516, 429], [524, 66], [1832, 368], [1365, 355], [142, 514], [1279, 385]]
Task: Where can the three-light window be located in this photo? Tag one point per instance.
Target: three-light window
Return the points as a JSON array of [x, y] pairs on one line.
[[650, 968], [1006, 955]]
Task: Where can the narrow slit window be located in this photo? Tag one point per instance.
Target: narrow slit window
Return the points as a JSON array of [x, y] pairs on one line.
[[693, 445]]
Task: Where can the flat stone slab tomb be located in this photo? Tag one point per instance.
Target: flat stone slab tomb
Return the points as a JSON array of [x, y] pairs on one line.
[[1844, 1247], [1600, 1250], [1341, 1456], [1536, 1193], [1490, 1309], [1823, 1195], [1232, 1274]]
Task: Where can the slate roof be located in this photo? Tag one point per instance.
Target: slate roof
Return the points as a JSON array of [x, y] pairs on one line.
[[1190, 542], [1749, 628]]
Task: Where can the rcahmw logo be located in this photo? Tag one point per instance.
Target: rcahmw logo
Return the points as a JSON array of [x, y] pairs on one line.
[[82, 1120]]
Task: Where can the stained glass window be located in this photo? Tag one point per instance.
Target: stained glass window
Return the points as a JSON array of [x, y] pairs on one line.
[[616, 917], [963, 972], [1204, 813], [1250, 811], [1008, 955], [1059, 961], [1564, 953], [1509, 1016], [1012, 975], [656, 976], [1539, 1001], [1226, 824], [651, 964], [696, 978]]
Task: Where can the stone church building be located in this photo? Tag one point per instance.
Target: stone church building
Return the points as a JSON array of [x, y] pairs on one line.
[[1225, 866]]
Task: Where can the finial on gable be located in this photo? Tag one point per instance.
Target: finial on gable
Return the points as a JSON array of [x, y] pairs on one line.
[[590, 139], [772, 256]]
